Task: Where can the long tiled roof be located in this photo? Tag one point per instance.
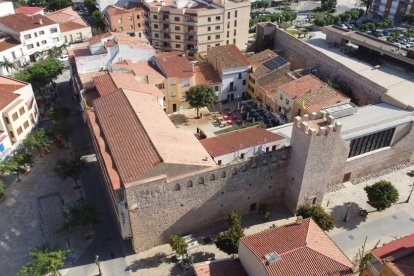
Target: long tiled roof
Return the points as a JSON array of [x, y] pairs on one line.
[[301, 86], [70, 26], [28, 10], [228, 56], [320, 98], [112, 10], [131, 148], [7, 88], [220, 268], [238, 140], [174, 64], [257, 61], [20, 22], [8, 43], [304, 249], [104, 85], [205, 74], [271, 86]]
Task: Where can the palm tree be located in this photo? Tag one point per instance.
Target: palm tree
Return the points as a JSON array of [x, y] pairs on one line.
[[8, 65], [72, 168]]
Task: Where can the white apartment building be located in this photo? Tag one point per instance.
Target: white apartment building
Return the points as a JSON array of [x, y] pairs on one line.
[[19, 114], [11, 50], [36, 33], [6, 8], [233, 68]]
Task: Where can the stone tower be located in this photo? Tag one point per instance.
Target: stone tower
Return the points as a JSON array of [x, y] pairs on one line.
[[313, 142]]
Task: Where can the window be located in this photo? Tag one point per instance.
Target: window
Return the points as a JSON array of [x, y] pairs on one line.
[[240, 76], [242, 156], [234, 32], [252, 207], [235, 23], [120, 20], [217, 18], [7, 120], [287, 101], [244, 82], [189, 184], [371, 142], [217, 44], [273, 148], [53, 30], [228, 25], [155, 26], [216, 88], [228, 34], [177, 46], [218, 27], [14, 55], [177, 187], [235, 13], [21, 110], [55, 39], [28, 36], [209, 19], [156, 35], [130, 18], [139, 25], [227, 42], [15, 116], [177, 37], [218, 36], [212, 177], [138, 16], [208, 29], [184, 83], [41, 32], [176, 19], [26, 125], [35, 34], [208, 37], [234, 41], [19, 130], [30, 46], [78, 35], [131, 27], [44, 42], [177, 28], [11, 134], [281, 96], [155, 16], [37, 44]]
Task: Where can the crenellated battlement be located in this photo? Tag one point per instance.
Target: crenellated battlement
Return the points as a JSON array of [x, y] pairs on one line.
[[318, 124]]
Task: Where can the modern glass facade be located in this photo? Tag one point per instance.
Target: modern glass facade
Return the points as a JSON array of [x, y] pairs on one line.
[[371, 142]]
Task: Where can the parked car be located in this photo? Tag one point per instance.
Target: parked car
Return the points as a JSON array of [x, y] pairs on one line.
[[63, 58]]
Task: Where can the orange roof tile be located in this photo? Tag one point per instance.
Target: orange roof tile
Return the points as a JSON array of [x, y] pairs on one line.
[[141, 69], [228, 56], [174, 64], [97, 38], [271, 86], [7, 88], [257, 61], [305, 244], [317, 99], [71, 26], [21, 22], [8, 43], [104, 85], [205, 74], [28, 10], [301, 86], [220, 268], [112, 10], [238, 140]]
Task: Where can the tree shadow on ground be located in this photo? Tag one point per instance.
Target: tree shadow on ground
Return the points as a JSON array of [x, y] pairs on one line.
[[202, 256], [353, 219], [178, 119], [150, 262]]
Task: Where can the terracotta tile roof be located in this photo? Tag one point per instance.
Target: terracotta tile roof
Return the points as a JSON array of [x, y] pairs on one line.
[[130, 146], [271, 86], [8, 43], [20, 22], [238, 140], [320, 98], [305, 244], [98, 38], [205, 74], [28, 10], [104, 85], [220, 268], [63, 15], [110, 43], [7, 88], [301, 86], [398, 255], [71, 26], [174, 64], [141, 69], [259, 69], [112, 10], [132, 41], [228, 56]]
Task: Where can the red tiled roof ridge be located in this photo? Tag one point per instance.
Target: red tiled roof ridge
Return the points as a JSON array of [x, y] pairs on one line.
[[386, 250]]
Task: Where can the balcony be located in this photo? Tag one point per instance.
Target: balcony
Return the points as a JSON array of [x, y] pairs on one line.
[[191, 41], [190, 22], [165, 38], [192, 32], [192, 49], [166, 30], [166, 20]]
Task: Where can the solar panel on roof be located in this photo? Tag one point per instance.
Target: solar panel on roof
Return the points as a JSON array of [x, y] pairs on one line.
[[275, 62]]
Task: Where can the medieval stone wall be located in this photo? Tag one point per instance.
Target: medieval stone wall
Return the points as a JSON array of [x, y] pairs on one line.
[[163, 207]]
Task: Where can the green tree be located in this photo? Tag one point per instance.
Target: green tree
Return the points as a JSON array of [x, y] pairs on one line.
[[90, 4], [53, 5], [9, 167], [58, 113], [228, 241], [61, 130], [264, 210], [8, 65], [72, 168], [23, 159], [327, 5], [98, 20], [200, 96], [367, 4], [178, 244], [325, 221], [2, 188], [84, 214], [43, 262], [381, 195], [409, 19], [38, 140]]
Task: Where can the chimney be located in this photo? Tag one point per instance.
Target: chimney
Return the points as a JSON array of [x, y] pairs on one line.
[[40, 21], [299, 220]]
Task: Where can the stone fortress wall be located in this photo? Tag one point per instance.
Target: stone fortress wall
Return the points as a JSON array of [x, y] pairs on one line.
[[302, 55], [162, 207]]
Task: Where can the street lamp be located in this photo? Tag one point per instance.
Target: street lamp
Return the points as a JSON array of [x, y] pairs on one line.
[[411, 192], [98, 264], [347, 211]]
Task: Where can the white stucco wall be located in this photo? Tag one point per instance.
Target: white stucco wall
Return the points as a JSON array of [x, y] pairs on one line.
[[232, 75], [18, 57], [250, 262], [6, 8]]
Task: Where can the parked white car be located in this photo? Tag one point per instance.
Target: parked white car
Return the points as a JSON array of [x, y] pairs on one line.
[[63, 58]]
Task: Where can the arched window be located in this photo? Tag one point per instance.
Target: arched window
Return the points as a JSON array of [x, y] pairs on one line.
[[189, 184], [201, 180], [177, 187], [223, 174], [212, 177]]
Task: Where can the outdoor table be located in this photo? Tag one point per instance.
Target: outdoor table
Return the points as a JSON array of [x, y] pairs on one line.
[[229, 122], [225, 117], [238, 121]]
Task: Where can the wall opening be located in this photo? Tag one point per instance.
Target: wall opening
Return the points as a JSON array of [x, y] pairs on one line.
[[346, 178], [253, 207]]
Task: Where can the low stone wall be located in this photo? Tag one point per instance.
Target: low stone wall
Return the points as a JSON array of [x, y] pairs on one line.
[[164, 207]]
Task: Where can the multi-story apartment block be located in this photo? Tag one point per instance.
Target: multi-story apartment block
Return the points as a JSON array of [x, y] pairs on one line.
[[392, 8], [11, 50], [195, 26], [73, 27], [19, 114], [233, 68], [36, 33], [129, 20]]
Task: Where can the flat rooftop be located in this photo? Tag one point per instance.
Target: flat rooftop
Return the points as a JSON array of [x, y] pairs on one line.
[[400, 83]]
